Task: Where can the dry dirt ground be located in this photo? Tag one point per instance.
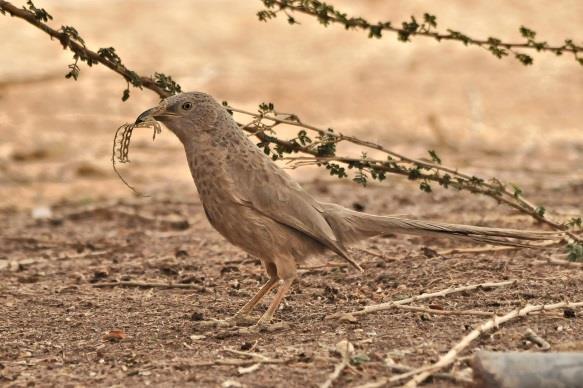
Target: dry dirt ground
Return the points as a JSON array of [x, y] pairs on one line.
[[67, 225]]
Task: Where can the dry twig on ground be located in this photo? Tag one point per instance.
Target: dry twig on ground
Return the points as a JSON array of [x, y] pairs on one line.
[[537, 339], [443, 312], [400, 368], [560, 262], [148, 285], [345, 349], [250, 360], [447, 291]]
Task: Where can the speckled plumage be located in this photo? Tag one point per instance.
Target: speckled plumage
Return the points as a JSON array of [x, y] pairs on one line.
[[256, 206]]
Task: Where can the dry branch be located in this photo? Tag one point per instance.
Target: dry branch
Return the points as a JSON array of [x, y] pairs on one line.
[[420, 374], [236, 362], [345, 349], [443, 312], [400, 368], [447, 291]]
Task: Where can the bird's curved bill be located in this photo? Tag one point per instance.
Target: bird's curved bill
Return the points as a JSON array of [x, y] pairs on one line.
[[158, 113], [147, 116]]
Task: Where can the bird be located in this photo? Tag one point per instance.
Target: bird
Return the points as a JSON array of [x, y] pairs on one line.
[[258, 207]]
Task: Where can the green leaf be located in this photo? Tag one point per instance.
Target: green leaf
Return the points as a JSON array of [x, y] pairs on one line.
[[517, 190], [39, 13], [74, 71], [266, 107], [359, 359], [527, 33], [426, 187], [575, 222], [575, 252], [429, 19], [361, 178], [109, 54], [375, 31], [167, 83], [434, 157], [526, 60], [265, 15]]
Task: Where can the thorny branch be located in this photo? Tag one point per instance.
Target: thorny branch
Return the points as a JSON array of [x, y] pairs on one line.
[[321, 150], [70, 39], [328, 14]]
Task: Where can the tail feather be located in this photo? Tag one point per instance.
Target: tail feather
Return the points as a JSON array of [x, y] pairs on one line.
[[351, 226]]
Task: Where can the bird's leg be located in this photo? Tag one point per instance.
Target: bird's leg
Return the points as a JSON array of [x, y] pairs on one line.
[[260, 294], [240, 318], [283, 289]]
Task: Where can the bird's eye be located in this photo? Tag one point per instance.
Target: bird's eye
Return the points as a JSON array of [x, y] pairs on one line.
[[187, 105]]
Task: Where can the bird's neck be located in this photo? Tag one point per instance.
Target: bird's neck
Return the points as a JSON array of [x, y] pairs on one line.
[[210, 156]]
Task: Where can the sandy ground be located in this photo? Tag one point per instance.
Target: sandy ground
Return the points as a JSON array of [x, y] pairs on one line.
[[484, 116]]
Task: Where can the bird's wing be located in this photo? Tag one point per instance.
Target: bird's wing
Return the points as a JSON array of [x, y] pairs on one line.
[[271, 192]]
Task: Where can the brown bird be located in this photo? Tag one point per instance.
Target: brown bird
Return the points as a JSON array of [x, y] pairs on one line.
[[258, 207]]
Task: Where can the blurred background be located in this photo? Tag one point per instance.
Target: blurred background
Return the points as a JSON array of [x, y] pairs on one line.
[[487, 116]]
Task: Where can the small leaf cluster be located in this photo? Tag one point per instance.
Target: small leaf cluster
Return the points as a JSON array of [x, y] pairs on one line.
[[413, 27], [70, 34], [40, 14], [167, 83], [434, 157], [575, 222], [326, 143], [108, 54], [266, 107], [575, 252]]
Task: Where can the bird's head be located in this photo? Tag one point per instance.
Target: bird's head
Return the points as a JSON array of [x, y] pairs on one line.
[[185, 114]]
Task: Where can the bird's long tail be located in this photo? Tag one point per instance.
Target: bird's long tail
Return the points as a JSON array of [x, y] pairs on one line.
[[352, 226]]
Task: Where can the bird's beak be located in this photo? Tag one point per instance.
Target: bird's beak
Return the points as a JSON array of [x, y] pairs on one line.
[[154, 113], [145, 116]]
